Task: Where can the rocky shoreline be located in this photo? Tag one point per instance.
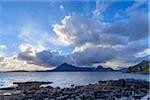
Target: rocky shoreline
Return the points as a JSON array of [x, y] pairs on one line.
[[123, 89]]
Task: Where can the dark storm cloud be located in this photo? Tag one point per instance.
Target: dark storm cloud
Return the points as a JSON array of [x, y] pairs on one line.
[[89, 56], [135, 27], [2, 59], [25, 56], [93, 55], [50, 58], [128, 52], [42, 58]]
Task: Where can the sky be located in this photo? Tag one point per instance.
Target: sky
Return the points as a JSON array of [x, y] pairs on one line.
[[40, 35]]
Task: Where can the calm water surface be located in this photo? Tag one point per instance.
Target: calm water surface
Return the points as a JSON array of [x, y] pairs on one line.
[[65, 79]]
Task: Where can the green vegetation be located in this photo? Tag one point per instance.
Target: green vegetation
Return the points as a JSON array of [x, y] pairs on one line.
[[141, 67]]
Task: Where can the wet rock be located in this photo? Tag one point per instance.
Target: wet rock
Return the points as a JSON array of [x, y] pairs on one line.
[[103, 90]]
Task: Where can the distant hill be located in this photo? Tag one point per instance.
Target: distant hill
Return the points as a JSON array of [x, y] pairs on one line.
[[141, 67], [17, 71], [68, 67], [100, 68]]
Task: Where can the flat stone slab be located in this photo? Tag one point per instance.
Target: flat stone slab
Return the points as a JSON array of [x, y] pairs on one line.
[[31, 82]]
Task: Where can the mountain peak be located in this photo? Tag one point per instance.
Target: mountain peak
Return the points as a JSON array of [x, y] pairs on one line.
[[66, 67], [104, 69], [69, 67], [99, 66], [65, 64]]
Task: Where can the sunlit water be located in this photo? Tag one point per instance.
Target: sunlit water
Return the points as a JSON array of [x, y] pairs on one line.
[[65, 79]]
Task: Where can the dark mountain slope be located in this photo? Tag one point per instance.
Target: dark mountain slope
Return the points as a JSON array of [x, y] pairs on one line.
[[141, 67]]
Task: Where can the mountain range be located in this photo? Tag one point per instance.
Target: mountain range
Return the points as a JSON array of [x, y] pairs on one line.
[[142, 67], [69, 67]]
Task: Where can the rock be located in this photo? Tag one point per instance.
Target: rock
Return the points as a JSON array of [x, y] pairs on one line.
[[25, 86], [126, 89], [7, 94], [147, 97], [125, 98], [7, 88], [72, 85], [62, 97], [17, 92]]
